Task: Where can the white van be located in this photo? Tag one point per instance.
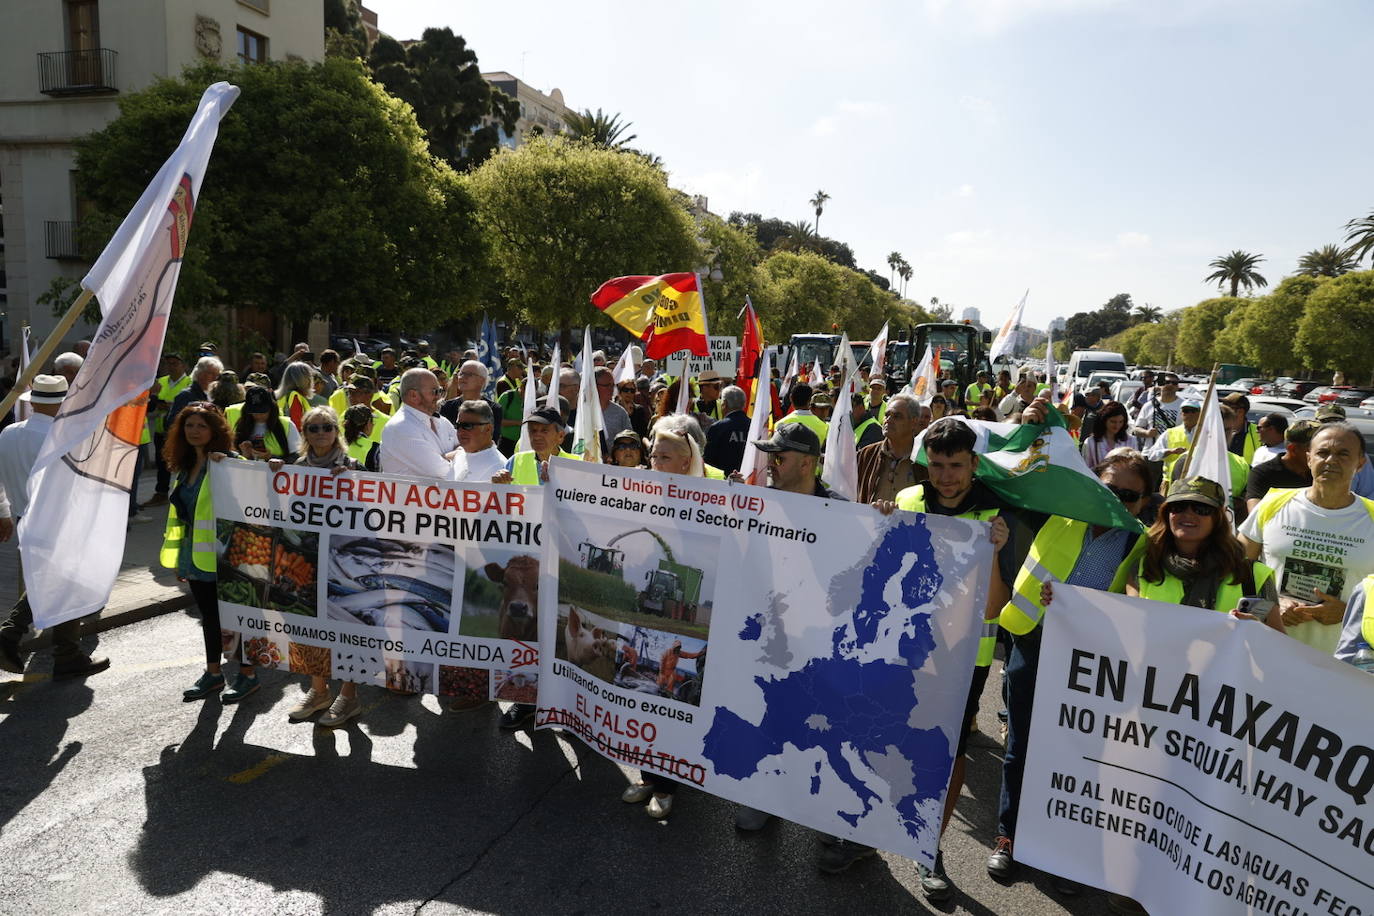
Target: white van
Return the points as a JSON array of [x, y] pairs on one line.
[[1084, 363]]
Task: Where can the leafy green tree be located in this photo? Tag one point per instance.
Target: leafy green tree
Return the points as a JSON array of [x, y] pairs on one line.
[[321, 197], [1127, 342], [1198, 330], [564, 216], [439, 76], [344, 33], [1328, 261], [736, 254], [1148, 312], [1360, 236], [1338, 324], [1264, 331], [1120, 304], [818, 204], [1156, 346], [1237, 269], [598, 129]]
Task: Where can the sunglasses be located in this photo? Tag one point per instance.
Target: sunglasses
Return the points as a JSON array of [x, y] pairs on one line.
[[1126, 496], [313, 428], [466, 426], [1202, 510], [437, 392]]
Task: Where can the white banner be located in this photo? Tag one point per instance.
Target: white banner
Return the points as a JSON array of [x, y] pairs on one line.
[[1197, 763], [841, 644], [724, 357], [420, 585]]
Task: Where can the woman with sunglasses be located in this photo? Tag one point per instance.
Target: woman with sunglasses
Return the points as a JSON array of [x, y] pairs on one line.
[[1194, 558], [324, 449], [939, 407], [1111, 430], [627, 396], [260, 431], [627, 450], [199, 435]]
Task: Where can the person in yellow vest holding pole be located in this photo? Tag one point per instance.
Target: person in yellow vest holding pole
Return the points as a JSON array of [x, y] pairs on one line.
[[952, 490], [1174, 441], [199, 435], [165, 391], [1075, 553]]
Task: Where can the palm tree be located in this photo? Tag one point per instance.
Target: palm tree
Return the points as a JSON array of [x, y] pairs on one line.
[[1237, 269], [894, 260], [1327, 261], [818, 204], [1360, 237], [600, 129], [905, 273], [1148, 312]]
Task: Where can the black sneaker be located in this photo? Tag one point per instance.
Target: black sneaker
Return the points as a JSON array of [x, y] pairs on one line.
[[1000, 863], [517, 715], [841, 854], [11, 659], [80, 666], [934, 881]]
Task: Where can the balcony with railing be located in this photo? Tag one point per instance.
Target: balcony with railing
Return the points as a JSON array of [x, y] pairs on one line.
[[62, 240], [77, 72]]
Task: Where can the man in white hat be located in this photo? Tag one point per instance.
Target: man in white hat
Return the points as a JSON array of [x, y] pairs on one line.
[[707, 407], [20, 444]]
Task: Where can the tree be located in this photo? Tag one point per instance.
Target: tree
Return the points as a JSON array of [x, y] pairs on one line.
[[1119, 304], [818, 204], [564, 216], [1198, 330], [940, 311], [1084, 329], [905, 272], [598, 128], [1337, 325], [321, 197], [736, 254], [1148, 312], [894, 260], [1328, 261], [461, 113], [1237, 269], [1267, 327], [1360, 236], [344, 33]]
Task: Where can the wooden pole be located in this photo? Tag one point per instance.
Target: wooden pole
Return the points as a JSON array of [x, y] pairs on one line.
[[45, 352]]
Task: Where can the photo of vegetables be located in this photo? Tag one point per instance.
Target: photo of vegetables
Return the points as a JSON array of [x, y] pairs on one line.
[[265, 567], [386, 582], [468, 683]]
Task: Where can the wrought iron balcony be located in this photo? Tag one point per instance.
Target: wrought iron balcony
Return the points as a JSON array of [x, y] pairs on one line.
[[76, 72]]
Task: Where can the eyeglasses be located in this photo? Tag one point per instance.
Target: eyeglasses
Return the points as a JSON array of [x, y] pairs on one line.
[[1202, 510], [206, 405], [314, 428], [437, 392], [465, 426], [1126, 496], [605, 384]]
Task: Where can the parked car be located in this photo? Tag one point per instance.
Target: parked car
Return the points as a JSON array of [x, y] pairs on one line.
[[1320, 394], [1096, 378], [1362, 420], [1296, 387], [1353, 396], [1269, 403], [1125, 389], [1256, 385]]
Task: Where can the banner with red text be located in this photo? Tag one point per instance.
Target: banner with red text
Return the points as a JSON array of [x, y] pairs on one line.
[[840, 644], [430, 586], [1197, 763]]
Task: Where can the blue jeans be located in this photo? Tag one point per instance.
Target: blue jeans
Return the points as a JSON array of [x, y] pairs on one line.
[[1022, 661]]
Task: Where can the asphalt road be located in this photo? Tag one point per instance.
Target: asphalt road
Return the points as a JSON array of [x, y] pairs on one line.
[[117, 797]]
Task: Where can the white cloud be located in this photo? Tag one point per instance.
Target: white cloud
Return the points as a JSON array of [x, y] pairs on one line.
[[864, 109], [725, 189], [824, 126], [845, 112], [998, 15], [964, 190], [1133, 240]]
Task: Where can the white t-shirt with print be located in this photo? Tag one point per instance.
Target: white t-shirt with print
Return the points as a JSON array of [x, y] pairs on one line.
[[1310, 547]]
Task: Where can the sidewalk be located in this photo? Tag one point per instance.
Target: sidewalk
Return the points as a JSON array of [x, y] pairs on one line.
[[143, 589]]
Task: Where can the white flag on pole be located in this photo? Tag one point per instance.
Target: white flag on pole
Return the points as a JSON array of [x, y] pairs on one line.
[[754, 465], [531, 403], [841, 471], [23, 408], [1051, 371], [1006, 337], [551, 399], [878, 349], [72, 536], [925, 381], [624, 370], [817, 376], [588, 424], [1209, 457]]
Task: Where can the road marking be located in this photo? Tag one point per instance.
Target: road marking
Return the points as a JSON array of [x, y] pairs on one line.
[[253, 772]]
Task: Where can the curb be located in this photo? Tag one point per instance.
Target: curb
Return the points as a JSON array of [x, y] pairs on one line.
[[100, 623]]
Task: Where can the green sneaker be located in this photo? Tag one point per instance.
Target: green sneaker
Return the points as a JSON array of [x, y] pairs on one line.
[[241, 687], [205, 685]]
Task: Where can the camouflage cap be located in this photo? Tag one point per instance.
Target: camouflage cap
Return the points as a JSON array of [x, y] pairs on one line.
[[1197, 490]]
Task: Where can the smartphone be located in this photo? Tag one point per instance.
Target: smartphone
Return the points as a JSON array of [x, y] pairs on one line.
[[1259, 608], [259, 443]]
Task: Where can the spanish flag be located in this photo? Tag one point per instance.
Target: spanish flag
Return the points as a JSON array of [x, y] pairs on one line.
[[668, 313]]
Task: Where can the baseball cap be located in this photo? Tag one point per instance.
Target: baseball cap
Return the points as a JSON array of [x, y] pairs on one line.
[[1197, 490], [791, 437], [877, 382], [1191, 405], [545, 415], [821, 399], [1300, 432], [361, 383], [949, 383], [1330, 412]]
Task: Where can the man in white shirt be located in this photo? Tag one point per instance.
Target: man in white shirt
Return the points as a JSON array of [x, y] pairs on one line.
[[415, 443], [477, 458], [1159, 414], [20, 444]]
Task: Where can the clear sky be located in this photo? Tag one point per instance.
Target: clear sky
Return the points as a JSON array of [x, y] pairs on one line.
[[1078, 148]]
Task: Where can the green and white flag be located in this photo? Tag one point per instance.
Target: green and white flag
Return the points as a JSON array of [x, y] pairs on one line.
[[1039, 468]]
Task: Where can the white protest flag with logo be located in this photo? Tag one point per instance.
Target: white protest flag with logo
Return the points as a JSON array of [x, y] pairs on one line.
[[23, 408], [878, 352], [531, 403], [551, 399], [72, 536], [1006, 337], [684, 392], [1050, 368], [841, 472], [588, 425], [817, 376], [789, 378], [849, 365], [754, 465], [1208, 456], [624, 370], [924, 383]]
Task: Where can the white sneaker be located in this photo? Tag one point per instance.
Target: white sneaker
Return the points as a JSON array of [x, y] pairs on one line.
[[659, 807], [311, 703], [343, 709], [637, 794]]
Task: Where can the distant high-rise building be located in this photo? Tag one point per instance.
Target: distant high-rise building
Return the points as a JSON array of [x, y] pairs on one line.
[[1057, 325], [972, 314]]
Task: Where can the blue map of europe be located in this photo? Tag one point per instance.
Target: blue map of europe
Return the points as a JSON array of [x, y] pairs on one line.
[[847, 699]]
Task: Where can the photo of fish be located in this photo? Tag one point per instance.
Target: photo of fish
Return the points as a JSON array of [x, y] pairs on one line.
[[391, 583]]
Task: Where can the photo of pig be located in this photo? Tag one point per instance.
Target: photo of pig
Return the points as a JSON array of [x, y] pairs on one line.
[[588, 641]]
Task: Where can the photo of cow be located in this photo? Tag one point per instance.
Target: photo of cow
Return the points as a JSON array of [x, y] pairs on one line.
[[500, 594]]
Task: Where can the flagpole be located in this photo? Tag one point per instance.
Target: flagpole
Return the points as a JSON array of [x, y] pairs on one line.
[[45, 352], [1202, 418]]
